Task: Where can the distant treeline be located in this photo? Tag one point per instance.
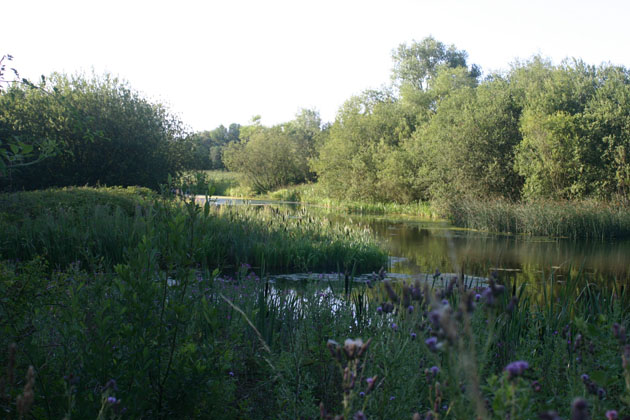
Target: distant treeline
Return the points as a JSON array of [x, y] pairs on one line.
[[439, 130]]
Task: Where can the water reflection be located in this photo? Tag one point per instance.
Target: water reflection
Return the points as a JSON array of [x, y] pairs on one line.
[[420, 246]]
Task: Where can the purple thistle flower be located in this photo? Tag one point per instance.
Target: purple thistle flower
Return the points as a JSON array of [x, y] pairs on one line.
[[410, 308], [477, 297], [431, 343], [413, 335], [434, 370], [612, 415], [392, 398], [231, 373], [379, 310], [111, 400], [361, 394], [516, 368], [585, 377], [394, 326]]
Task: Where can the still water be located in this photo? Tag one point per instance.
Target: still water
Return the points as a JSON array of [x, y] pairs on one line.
[[418, 246]]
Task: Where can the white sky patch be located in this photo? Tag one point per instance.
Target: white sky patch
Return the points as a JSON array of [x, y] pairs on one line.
[[219, 62]]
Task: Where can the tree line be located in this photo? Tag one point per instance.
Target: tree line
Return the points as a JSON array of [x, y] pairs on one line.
[[440, 129]]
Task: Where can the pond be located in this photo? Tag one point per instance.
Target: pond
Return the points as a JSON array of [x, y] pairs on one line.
[[418, 247]]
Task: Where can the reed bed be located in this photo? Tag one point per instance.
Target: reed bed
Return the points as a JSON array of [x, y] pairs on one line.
[[584, 219]]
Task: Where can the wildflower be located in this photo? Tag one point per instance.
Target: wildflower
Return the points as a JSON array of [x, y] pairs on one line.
[[585, 378], [111, 384], [392, 398], [379, 310], [394, 326], [477, 297], [579, 409], [410, 309], [361, 394], [413, 335], [612, 415], [231, 373], [359, 416], [431, 343], [390, 292], [444, 302], [434, 370], [371, 383], [516, 368], [111, 400], [351, 347], [601, 393], [536, 386]]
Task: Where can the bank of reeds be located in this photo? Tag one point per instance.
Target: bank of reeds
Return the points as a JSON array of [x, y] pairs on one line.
[[578, 219], [97, 228]]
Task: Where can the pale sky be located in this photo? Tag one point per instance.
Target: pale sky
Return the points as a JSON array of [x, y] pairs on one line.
[[219, 62]]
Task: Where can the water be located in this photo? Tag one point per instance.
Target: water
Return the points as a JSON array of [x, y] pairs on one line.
[[418, 247]]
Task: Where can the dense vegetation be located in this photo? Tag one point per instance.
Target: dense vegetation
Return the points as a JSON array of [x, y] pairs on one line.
[[441, 130], [100, 132], [123, 314]]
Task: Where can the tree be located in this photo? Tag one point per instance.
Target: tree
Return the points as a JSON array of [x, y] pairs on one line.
[[14, 152], [416, 64], [106, 133]]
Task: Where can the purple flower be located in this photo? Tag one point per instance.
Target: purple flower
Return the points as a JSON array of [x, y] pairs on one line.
[[477, 297], [394, 326], [369, 380], [111, 400], [585, 377], [413, 335], [445, 302], [392, 398], [516, 368], [379, 310], [361, 394], [612, 415], [536, 386], [431, 343], [410, 308], [434, 370], [231, 373]]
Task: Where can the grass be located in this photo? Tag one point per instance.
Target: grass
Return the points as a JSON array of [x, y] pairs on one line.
[[583, 219], [208, 346], [98, 229]]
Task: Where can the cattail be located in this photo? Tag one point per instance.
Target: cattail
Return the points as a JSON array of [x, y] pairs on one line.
[[25, 401]]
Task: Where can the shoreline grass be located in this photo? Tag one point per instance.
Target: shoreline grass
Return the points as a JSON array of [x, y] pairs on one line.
[[84, 225], [559, 219]]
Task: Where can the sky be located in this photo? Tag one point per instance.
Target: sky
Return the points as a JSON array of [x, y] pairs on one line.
[[222, 62]]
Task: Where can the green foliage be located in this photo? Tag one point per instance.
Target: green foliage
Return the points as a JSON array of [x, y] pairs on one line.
[[208, 146], [100, 228], [273, 157], [106, 133]]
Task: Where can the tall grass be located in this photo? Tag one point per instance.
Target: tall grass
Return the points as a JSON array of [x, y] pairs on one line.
[[212, 346], [80, 227], [584, 219]]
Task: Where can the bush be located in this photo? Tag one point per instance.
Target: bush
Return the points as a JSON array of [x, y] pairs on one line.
[[106, 133]]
